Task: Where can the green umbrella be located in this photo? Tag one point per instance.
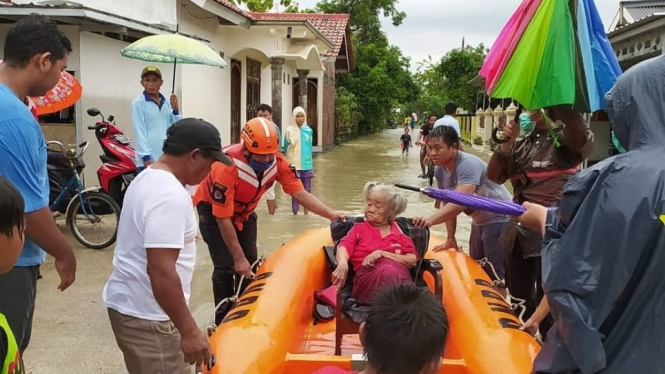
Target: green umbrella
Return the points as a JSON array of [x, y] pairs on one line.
[[173, 48]]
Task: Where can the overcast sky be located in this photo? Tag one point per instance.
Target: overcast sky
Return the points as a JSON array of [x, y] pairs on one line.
[[433, 27]]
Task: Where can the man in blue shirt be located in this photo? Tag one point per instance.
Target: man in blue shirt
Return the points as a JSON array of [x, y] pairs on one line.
[[152, 115], [35, 54]]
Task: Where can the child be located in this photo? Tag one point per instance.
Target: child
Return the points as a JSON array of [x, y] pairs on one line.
[[406, 141], [12, 226], [407, 319]]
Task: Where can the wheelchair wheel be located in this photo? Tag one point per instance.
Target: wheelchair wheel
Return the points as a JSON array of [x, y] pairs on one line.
[[93, 219]]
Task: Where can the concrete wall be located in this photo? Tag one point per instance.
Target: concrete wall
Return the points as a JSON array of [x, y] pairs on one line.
[[206, 89]]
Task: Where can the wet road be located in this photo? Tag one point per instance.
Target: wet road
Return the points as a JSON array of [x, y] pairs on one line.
[[71, 332]]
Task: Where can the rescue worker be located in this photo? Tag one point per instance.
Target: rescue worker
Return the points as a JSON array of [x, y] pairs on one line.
[[228, 196], [537, 169]]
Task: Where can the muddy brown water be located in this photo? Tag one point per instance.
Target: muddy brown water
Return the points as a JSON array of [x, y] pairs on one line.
[[71, 332]]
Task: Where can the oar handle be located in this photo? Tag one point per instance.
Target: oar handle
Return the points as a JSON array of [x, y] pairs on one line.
[[410, 188]]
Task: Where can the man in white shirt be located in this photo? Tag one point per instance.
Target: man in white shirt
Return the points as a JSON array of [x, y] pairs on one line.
[[449, 119], [148, 292]]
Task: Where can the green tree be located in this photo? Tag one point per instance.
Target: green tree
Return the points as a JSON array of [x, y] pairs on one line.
[[431, 85], [381, 80], [457, 68], [365, 15]]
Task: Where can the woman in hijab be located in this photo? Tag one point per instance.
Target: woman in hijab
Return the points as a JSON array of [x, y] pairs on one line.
[[298, 137]]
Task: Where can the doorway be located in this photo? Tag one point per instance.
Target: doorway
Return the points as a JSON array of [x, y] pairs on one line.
[[236, 83], [312, 105], [253, 87]]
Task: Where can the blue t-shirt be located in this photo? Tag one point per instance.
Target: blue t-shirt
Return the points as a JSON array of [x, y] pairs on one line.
[[23, 162], [150, 122]]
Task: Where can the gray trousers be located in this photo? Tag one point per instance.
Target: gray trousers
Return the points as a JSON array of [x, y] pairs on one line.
[[484, 243], [18, 290]]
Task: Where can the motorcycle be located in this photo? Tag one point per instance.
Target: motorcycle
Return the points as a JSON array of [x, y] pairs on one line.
[[118, 168]]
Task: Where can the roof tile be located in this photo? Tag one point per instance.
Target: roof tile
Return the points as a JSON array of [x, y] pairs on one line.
[[235, 8], [332, 26]]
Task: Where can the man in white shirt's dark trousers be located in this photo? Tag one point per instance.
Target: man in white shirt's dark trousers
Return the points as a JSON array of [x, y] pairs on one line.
[[148, 292]]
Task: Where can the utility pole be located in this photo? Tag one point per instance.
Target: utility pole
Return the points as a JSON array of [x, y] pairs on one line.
[[462, 43]]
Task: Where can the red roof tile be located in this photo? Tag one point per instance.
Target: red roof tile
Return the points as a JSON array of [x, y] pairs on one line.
[[332, 26], [234, 8]]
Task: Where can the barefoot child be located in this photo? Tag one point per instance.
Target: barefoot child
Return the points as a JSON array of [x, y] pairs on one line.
[[406, 140]]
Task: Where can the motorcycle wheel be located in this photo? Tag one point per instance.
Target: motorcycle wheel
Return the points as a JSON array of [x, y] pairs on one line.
[[99, 210]]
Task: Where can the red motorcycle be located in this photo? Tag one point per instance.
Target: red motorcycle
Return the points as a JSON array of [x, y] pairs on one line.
[[118, 168]]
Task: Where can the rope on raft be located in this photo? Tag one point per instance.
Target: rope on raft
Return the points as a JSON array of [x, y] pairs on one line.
[[211, 327], [521, 303]]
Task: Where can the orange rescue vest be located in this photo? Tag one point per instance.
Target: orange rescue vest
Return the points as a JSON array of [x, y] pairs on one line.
[[250, 187]]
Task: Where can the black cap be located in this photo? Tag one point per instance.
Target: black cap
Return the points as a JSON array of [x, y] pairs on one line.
[[192, 133]]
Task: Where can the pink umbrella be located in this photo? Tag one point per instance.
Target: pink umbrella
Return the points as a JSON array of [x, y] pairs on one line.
[[506, 42]]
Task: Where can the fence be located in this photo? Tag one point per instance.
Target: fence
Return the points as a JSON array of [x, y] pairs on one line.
[[466, 126], [477, 129]]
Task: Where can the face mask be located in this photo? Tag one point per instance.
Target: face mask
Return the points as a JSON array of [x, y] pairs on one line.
[[260, 166], [526, 124], [616, 143]]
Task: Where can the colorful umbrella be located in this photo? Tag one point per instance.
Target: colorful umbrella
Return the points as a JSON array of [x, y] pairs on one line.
[[552, 52], [65, 94], [470, 201], [173, 48]]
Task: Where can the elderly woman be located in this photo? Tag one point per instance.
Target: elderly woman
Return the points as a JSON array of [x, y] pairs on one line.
[[380, 253]]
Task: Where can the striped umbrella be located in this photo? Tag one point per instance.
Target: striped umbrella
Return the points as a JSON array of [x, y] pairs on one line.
[[552, 52], [173, 48]]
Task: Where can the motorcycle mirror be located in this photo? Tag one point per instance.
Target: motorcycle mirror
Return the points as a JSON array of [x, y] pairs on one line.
[[94, 112], [111, 118]]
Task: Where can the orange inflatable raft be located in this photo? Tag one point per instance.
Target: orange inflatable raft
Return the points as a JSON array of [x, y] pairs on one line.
[[271, 329]]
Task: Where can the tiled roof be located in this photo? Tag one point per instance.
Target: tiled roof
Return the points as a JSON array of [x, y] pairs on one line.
[[332, 26], [642, 9], [234, 8]]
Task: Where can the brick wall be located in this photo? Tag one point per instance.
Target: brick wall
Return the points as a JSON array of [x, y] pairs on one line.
[[328, 107]]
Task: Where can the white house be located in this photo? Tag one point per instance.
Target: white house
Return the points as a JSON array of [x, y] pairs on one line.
[[271, 58]]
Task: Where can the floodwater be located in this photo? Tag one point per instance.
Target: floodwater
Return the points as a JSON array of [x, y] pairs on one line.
[[71, 331]]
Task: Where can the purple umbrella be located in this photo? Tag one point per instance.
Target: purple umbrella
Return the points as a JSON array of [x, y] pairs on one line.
[[470, 201]]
